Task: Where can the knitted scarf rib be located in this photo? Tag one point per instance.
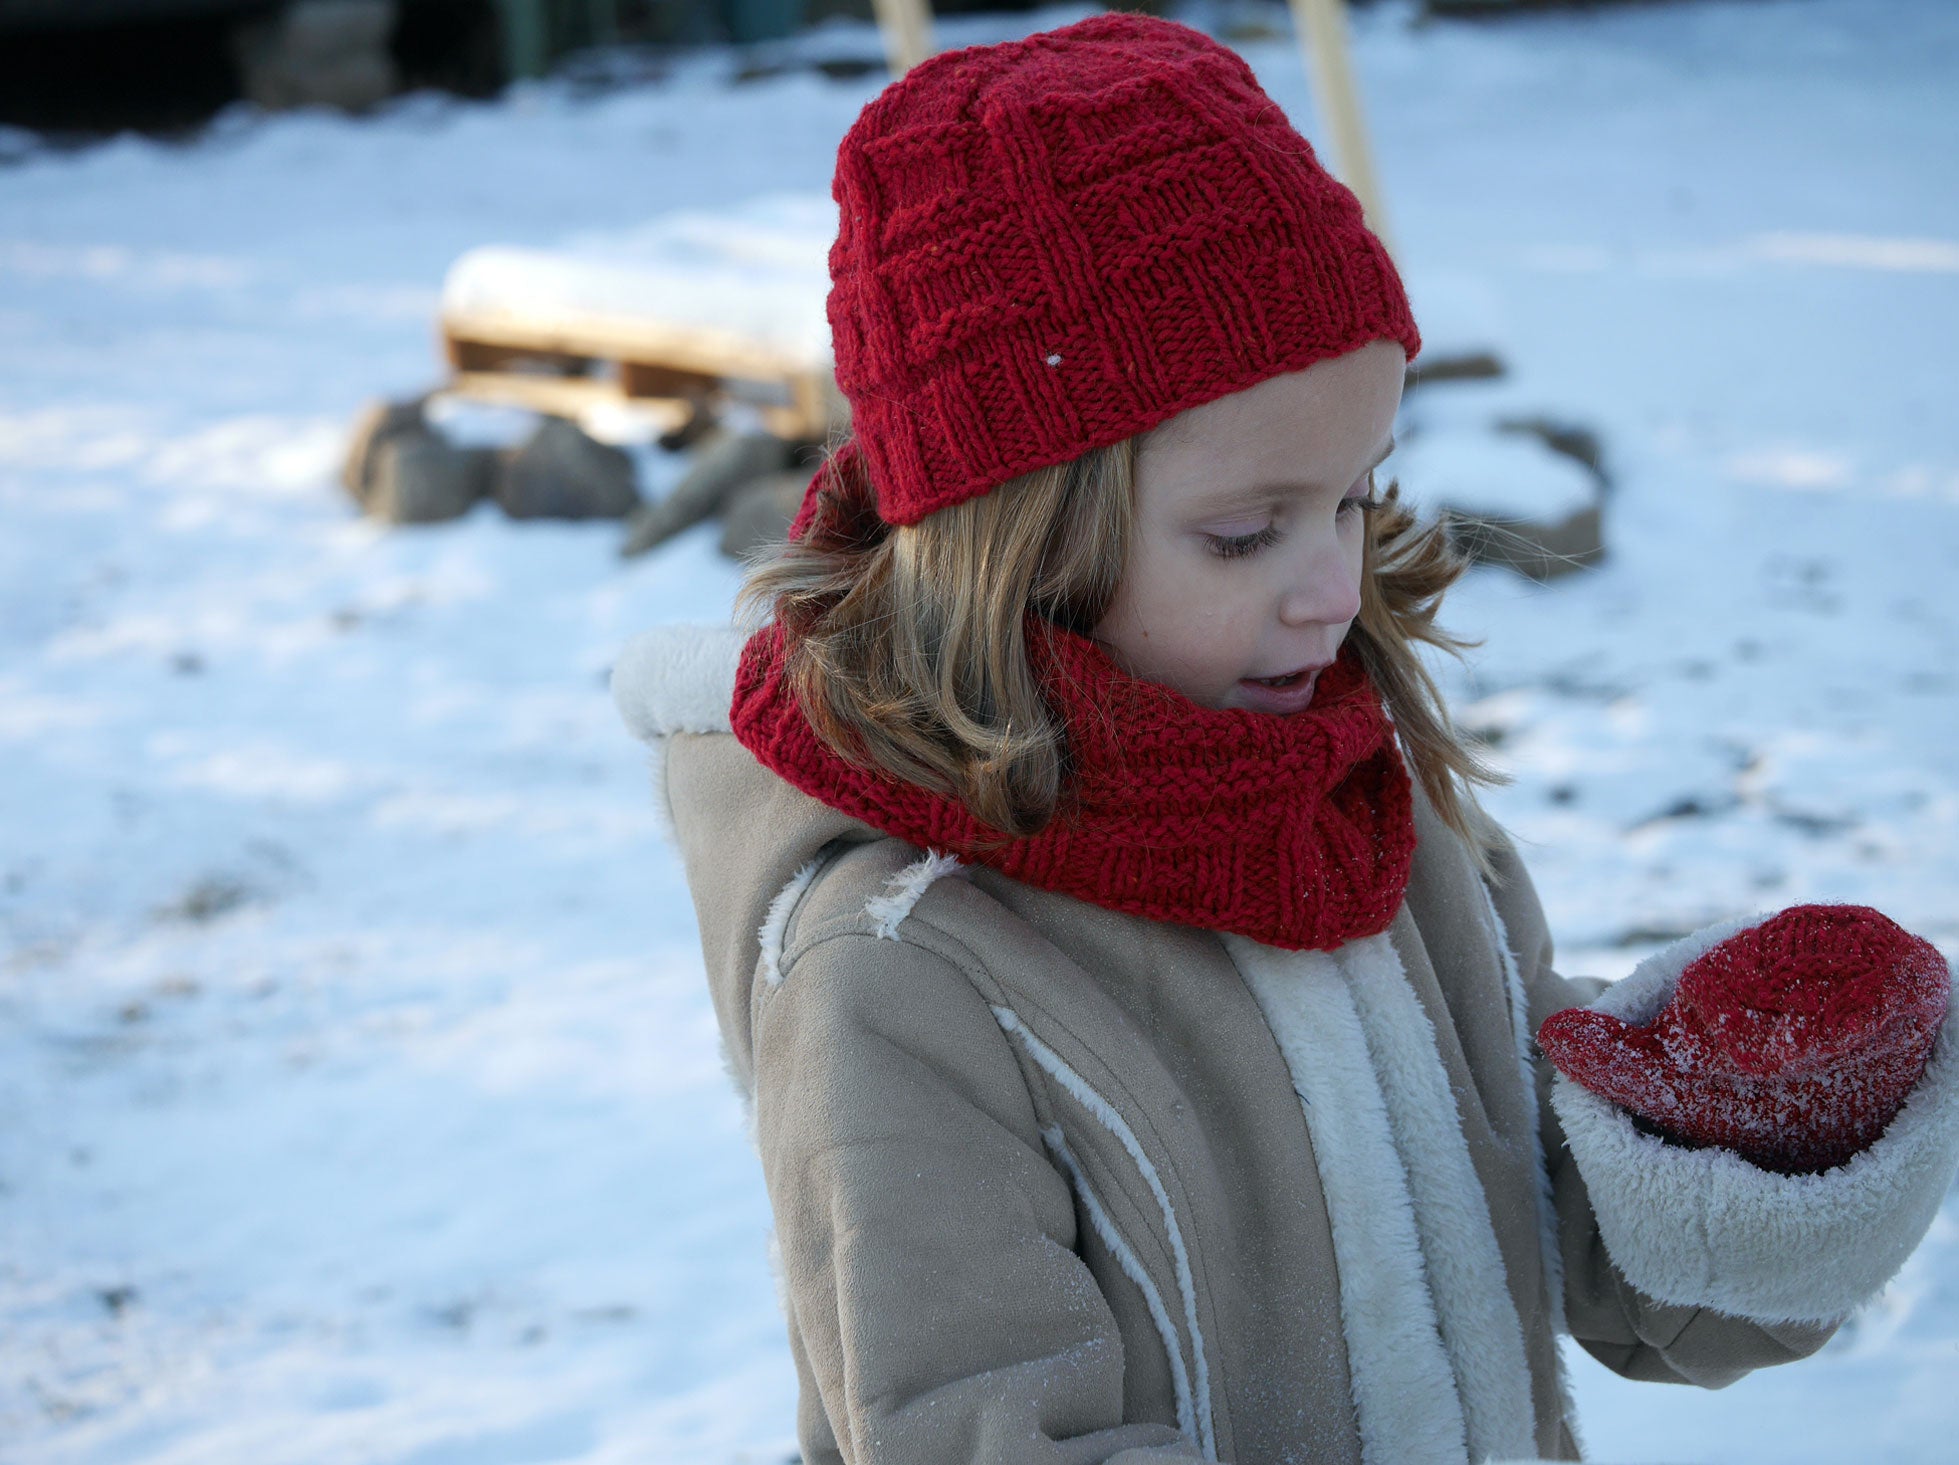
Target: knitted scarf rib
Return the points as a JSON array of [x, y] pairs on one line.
[[1296, 831]]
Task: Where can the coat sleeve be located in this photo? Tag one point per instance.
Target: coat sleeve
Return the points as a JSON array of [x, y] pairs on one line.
[[936, 1300], [1692, 1264]]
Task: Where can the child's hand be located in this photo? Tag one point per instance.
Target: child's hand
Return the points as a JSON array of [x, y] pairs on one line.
[[1793, 1043]]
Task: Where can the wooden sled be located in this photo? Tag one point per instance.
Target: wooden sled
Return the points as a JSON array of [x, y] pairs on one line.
[[567, 364]]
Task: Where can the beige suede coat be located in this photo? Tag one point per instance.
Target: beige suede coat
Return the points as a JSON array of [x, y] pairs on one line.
[[1057, 1184]]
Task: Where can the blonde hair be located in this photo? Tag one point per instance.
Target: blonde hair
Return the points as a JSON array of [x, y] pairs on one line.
[[906, 648]]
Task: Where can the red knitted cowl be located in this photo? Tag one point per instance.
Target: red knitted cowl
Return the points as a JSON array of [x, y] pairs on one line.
[[1296, 831]]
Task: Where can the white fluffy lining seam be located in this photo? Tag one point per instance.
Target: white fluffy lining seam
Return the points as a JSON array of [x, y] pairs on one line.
[[1105, 1114], [1703, 1227], [1132, 1268], [1405, 1396], [777, 921], [1479, 1322], [902, 891]]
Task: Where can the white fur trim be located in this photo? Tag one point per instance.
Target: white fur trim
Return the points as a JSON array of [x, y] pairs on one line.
[[1132, 1268], [1550, 1239], [1547, 1212], [777, 921], [1405, 1395], [902, 890], [677, 679], [1703, 1227], [1105, 1114], [1480, 1327]]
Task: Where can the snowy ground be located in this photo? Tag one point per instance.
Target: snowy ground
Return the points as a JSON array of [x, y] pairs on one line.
[[358, 1093]]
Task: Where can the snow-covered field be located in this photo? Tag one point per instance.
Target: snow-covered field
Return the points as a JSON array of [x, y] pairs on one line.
[[359, 1099]]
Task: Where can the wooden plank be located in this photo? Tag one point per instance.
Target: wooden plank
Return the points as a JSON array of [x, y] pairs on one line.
[[589, 359], [563, 396], [689, 348]]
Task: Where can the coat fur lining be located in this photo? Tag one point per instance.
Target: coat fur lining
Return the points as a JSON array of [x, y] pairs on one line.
[[902, 891], [675, 679], [1405, 1398], [776, 922], [1480, 1326], [1526, 1041], [1703, 1227], [1550, 1241]]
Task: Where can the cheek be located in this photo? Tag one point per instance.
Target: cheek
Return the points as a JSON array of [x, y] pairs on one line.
[[1170, 624]]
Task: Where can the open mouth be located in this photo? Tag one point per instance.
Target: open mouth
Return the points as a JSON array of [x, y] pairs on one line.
[[1288, 680]]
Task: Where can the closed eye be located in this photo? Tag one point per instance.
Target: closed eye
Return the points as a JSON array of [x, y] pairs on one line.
[[1364, 500], [1231, 547]]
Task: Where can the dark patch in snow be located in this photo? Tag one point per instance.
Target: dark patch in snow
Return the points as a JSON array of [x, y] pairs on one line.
[[117, 1300], [457, 1315], [208, 899], [1689, 806], [1815, 825], [1576, 685]]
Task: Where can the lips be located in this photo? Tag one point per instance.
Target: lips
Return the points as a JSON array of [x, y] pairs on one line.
[[1287, 692]]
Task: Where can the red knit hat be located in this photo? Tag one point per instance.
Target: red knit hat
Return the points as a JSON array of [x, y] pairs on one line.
[[1053, 244]]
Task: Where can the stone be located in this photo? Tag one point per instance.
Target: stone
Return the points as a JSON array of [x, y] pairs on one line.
[[723, 462], [378, 422], [1517, 495], [1537, 549], [564, 473], [1432, 367], [420, 477], [756, 518]]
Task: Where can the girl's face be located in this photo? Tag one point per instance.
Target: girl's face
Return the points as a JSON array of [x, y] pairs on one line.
[[1244, 566]]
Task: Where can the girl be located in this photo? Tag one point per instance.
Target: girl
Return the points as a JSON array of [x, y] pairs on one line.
[[1135, 1004]]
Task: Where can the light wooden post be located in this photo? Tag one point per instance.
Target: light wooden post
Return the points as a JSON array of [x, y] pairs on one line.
[[907, 28], [1323, 33]]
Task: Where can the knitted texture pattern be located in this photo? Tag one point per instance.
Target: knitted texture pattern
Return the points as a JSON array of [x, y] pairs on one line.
[[1053, 244], [1793, 1042], [1296, 831]]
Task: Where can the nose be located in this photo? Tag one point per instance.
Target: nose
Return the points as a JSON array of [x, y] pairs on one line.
[[1322, 585]]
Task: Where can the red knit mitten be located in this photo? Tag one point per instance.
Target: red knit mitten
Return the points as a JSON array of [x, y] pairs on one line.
[[1793, 1043]]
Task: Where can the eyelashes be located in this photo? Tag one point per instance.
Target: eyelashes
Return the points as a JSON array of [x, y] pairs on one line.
[[1242, 544], [1236, 546]]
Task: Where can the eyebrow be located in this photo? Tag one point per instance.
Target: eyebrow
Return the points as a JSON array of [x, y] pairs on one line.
[[1257, 492]]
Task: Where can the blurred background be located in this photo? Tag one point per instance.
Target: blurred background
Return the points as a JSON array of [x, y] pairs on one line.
[[372, 370]]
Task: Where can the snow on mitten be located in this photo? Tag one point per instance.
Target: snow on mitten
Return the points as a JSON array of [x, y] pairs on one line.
[[1793, 1043]]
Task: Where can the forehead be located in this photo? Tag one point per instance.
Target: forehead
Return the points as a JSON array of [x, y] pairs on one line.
[[1313, 430]]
